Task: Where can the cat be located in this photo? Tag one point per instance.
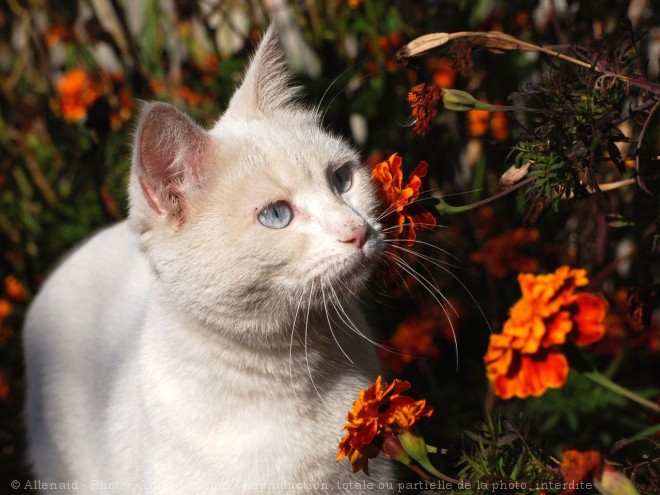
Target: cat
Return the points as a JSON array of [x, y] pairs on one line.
[[203, 344]]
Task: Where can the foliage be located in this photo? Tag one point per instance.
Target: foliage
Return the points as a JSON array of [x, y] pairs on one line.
[[501, 453]]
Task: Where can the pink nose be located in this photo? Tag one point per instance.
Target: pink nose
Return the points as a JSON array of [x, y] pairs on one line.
[[357, 236]]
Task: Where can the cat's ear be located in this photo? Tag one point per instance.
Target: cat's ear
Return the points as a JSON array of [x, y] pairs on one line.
[[265, 87], [170, 159]]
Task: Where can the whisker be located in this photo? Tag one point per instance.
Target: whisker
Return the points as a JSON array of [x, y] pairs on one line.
[[425, 283], [325, 93], [393, 207], [293, 331], [443, 267], [432, 261], [387, 212], [390, 266], [330, 324], [397, 244], [355, 295], [356, 79], [462, 193], [426, 226], [309, 370], [431, 283], [343, 316], [379, 285]]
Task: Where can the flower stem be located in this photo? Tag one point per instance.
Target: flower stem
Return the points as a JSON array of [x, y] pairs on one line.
[[603, 381], [447, 209], [429, 467], [415, 446]]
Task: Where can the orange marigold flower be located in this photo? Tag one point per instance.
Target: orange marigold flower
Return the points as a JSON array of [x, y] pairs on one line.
[[443, 72], [4, 385], [379, 412], [390, 176], [579, 466], [6, 307], [77, 93], [481, 121], [499, 126], [57, 33], [211, 62], [414, 338], [505, 253], [640, 307], [526, 359], [157, 86], [478, 121], [124, 112], [14, 288], [190, 96], [521, 19], [626, 325], [424, 100]]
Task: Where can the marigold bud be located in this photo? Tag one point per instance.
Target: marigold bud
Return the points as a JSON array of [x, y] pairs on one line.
[[457, 100], [394, 450]]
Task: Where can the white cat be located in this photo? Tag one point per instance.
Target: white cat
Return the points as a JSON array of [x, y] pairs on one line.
[[201, 346]]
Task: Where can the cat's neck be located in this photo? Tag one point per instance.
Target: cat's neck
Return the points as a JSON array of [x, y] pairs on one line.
[[250, 345]]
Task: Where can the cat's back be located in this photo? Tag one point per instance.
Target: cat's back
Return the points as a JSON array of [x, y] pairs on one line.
[[103, 280], [79, 333]]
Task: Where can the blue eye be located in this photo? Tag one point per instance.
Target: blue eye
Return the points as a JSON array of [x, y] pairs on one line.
[[276, 215], [341, 179]]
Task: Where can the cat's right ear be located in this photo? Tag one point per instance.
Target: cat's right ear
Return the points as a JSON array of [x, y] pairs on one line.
[[265, 87], [170, 160]]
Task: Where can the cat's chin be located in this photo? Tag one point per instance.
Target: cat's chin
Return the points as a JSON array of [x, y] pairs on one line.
[[348, 272]]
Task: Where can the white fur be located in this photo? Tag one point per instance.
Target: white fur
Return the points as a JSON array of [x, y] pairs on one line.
[[189, 349]]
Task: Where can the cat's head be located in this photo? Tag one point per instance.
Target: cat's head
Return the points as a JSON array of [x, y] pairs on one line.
[[261, 213]]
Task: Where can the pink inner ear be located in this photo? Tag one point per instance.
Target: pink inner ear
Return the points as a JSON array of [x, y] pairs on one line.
[[151, 196], [171, 153], [159, 143]]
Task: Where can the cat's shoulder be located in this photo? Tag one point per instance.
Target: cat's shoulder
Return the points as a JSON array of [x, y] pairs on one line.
[[103, 247], [97, 264]]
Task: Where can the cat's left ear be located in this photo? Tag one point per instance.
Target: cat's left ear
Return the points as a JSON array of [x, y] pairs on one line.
[[265, 87], [170, 161]]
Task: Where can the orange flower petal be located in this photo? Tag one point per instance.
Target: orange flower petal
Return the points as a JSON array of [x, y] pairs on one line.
[[577, 466], [558, 327], [589, 316], [542, 374], [404, 412], [533, 376], [499, 356]]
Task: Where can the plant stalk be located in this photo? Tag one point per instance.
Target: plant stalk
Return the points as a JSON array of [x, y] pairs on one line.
[[603, 381]]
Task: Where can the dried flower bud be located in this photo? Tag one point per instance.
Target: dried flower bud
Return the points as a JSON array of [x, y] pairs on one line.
[[640, 307], [615, 482], [424, 102], [514, 174]]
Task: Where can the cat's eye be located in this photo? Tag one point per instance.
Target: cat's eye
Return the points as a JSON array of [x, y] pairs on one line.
[[341, 179], [276, 215]]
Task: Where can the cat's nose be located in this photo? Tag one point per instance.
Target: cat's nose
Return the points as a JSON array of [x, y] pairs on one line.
[[357, 236]]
